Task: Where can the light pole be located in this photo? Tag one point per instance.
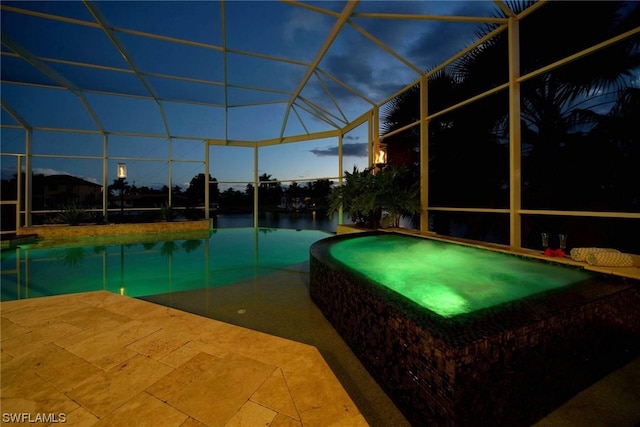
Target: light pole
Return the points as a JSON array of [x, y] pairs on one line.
[[121, 174]]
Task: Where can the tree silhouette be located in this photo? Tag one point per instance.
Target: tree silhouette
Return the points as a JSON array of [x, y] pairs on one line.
[[269, 191], [578, 135], [195, 191], [117, 186]]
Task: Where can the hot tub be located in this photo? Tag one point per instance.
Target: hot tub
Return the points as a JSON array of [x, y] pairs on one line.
[[467, 352]]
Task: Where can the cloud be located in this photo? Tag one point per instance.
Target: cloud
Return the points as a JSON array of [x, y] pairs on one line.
[[357, 70], [364, 66], [443, 39], [300, 20], [49, 171], [10, 172], [90, 179], [353, 149], [368, 69]]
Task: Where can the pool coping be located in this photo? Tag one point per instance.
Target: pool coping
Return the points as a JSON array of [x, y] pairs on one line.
[[67, 231]]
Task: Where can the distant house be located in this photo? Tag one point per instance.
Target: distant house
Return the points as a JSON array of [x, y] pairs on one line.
[[56, 190]]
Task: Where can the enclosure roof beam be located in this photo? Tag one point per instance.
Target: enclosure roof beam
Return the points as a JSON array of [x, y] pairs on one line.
[[108, 30], [52, 74], [415, 17], [312, 8], [322, 111], [225, 69], [17, 117], [331, 97], [346, 87], [386, 48], [333, 34], [313, 110]]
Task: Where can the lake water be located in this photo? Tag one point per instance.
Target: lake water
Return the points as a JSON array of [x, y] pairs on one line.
[[299, 221]]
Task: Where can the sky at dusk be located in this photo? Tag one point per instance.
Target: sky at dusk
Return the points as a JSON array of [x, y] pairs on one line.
[[171, 71]]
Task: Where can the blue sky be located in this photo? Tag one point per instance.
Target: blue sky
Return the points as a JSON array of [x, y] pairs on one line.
[[168, 62]]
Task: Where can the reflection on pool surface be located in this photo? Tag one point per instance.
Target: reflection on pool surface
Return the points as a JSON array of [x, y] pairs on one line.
[[178, 263], [446, 278]]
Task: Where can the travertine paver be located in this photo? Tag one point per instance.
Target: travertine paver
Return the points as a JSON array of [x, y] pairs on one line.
[[275, 394], [102, 358]]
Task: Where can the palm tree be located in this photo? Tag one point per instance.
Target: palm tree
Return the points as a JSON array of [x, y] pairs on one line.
[[119, 185], [266, 180], [612, 140], [467, 150], [197, 185], [553, 104], [269, 191], [366, 196]]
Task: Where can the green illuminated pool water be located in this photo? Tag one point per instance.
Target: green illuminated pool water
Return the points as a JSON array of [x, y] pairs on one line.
[[447, 278], [176, 264]]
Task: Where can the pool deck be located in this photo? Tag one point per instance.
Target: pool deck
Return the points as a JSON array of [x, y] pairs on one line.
[[109, 360], [99, 357]]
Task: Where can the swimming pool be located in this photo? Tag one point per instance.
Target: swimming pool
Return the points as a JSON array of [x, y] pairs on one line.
[[147, 265], [472, 357]]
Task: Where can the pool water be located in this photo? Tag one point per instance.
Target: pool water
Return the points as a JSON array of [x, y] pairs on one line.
[[450, 279], [176, 264]]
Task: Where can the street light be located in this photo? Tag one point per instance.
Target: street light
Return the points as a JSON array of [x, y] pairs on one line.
[[121, 174]]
